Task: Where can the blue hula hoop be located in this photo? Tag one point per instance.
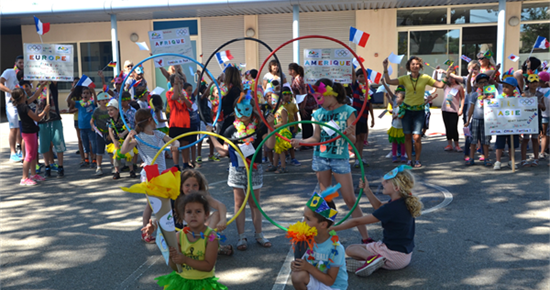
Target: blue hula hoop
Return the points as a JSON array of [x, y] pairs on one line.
[[159, 55]]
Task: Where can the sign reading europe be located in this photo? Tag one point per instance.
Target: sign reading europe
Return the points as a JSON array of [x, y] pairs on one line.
[[331, 63], [174, 40], [48, 62], [509, 116]]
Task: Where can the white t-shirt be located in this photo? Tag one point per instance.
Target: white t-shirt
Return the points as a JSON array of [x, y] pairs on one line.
[[396, 123], [546, 96], [11, 82]]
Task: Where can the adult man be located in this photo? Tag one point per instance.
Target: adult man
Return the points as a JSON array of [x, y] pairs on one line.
[[8, 82]]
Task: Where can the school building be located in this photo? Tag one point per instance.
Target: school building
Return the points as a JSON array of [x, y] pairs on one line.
[[435, 30]]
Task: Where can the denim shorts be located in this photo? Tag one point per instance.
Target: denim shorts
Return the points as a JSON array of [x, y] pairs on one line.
[[338, 166], [545, 120], [413, 122]]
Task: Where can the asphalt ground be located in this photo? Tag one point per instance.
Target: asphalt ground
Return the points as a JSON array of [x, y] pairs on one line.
[[481, 229]]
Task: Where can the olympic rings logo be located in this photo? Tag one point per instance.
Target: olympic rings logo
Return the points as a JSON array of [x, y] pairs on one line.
[[34, 47], [342, 52], [180, 32], [527, 101]]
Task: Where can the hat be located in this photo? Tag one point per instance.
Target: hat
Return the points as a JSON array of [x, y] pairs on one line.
[[103, 96], [318, 202], [511, 81], [139, 70], [481, 76], [113, 103], [544, 76]]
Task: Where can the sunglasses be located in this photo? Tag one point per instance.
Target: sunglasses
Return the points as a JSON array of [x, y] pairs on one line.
[[481, 58], [130, 65], [287, 93]]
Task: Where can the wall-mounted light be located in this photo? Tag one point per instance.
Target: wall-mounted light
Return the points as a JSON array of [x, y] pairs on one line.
[[134, 37], [250, 32], [513, 21]]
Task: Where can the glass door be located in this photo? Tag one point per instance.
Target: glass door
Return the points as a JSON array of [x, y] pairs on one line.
[[476, 39]]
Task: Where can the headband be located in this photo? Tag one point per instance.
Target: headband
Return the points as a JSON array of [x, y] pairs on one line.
[[396, 170], [318, 203], [509, 73]]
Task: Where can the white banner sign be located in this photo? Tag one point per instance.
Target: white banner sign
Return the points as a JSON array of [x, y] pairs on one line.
[[331, 63], [175, 40], [48, 62], [509, 116]]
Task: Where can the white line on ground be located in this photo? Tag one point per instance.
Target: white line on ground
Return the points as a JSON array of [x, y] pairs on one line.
[[130, 280], [284, 273]]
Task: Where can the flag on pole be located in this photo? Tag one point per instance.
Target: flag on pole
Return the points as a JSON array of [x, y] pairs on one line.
[[374, 76], [488, 54], [358, 37], [449, 62], [85, 82], [112, 64], [357, 63], [513, 57], [465, 58], [541, 43], [544, 64], [41, 28], [224, 56]]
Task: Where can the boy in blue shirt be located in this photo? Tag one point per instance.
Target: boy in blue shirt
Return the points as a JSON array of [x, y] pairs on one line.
[[85, 111], [324, 267]]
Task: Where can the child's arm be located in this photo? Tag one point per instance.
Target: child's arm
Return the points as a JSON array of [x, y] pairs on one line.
[[284, 119], [389, 94], [462, 98], [223, 150], [175, 254], [38, 117], [470, 113], [350, 130], [313, 139], [222, 210], [175, 145], [270, 143], [371, 110], [353, 222], [374, 201], [205, 265], [112, 136], [327, 279], [129, 143]]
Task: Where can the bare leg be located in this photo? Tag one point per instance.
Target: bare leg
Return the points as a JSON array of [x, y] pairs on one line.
[[238, 195], [536, 147], [146, 213], [300, 280], [408, 146], [417, 146], [359, 144], [13, 136], [358, 252]]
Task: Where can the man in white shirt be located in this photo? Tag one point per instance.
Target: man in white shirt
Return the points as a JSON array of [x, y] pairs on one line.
[[8, 82]]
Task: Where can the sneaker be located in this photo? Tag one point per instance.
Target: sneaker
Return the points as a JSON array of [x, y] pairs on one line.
[[116, 175], [448, 148], [372, 264], [132, 174], [27, 182], [98, 172], [394, 159], [356, 164], [458, 149], [20, 154], [39, 168], [295, 162], [84, 164], [497, 165], [15, 158], [93, 164], [510, 164], [60, 172], [54, 166], [403, 159], [213, 158], [199, 160], [37, 177], [148, 238], [352, 265], [48, 172]]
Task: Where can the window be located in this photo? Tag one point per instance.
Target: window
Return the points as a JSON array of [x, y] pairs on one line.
[[535, 11], [68, 85], [421, 17], [528, 36], [402, 49], [435, 47], [95, 56], [481, 14]]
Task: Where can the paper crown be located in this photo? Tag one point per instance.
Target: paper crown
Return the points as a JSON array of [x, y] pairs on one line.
[[509, 73], [244, 107], [318, 202], [396, 170]]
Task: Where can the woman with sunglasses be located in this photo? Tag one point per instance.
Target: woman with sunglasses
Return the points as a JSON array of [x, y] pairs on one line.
[[487, 65], [411, 110]]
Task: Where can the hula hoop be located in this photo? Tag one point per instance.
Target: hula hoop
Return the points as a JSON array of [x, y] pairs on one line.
[[228, 142], [132, 70], [306, 37], [307, 122]]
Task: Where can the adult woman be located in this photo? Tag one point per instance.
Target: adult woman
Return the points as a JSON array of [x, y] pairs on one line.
[[299, 87], [412, 109], [487, 65], [273, 74], [128, 65], [233, 83]]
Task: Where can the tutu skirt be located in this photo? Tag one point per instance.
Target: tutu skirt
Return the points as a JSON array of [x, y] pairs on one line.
[[282, 145], [174, 281], [396, 135], [116, 153]]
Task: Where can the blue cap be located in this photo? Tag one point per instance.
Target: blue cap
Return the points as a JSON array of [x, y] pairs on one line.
[[511, 81]]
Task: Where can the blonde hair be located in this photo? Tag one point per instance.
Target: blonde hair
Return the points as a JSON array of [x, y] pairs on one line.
[[474, 63], [405, 181]]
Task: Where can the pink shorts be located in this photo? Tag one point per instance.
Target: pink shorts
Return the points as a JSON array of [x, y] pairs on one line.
[[31, 146], [394, 260]]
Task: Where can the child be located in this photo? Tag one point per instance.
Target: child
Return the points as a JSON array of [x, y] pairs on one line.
[[544, 78], [180, 121], [146, 131], [141, 97], [360, 90], [333, 158], [477, 129], [76, 95], [249, 133], [86, 108], [159, 116], [397, 216], [194, 123], [100, 126], [531, 91], [292, 111], [322, 267], [473, 71], [29, 131], [509, 90], [282, 146], [117, 133], [199, 249], [451, 109], [395, 133]]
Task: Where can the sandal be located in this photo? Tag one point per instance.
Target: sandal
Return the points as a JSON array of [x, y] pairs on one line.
[[271, 168], [524, 163], [281, 170], [242, 244], [470, 162], [535, 162], [225, 250], [410, 163], [417, 164], [487, 163], [262, 241]]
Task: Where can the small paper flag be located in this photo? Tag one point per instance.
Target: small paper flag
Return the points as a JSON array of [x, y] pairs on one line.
[[513, 57], [465, 58], [488, 54], [489, 89], [449, 62]]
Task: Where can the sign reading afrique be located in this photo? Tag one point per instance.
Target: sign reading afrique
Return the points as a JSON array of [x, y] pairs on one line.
[[176, 40]]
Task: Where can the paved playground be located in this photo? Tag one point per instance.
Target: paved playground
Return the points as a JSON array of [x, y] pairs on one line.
[[480, 229]]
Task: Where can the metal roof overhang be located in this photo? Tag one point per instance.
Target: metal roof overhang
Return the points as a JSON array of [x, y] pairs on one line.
[[16, 13]]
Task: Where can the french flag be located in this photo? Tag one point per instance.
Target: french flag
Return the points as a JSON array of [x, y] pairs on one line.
[[357, 63], [41, 28], [374, 76], [85, 82], [357, 36], [224, 56], [542, 43]]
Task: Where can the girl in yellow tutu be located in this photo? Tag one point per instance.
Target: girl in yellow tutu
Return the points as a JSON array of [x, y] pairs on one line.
[[281, 145], [395, 133], [117, 133]]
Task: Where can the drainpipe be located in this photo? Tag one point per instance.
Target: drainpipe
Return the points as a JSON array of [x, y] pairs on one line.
[[501, 32], [296, 33], [114, 44]]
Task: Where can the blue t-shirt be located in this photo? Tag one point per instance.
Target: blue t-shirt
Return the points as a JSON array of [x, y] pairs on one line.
[[398, 225], [339, 148], [322, 253], [84, 115]]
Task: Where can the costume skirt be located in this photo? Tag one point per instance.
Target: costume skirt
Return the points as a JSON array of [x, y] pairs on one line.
[[396, 135]]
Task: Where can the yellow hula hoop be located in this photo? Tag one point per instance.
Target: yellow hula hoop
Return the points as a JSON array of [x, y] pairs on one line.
[[249, 185]]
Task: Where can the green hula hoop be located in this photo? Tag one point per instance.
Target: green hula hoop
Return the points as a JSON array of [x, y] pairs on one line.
[[306, 122]]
